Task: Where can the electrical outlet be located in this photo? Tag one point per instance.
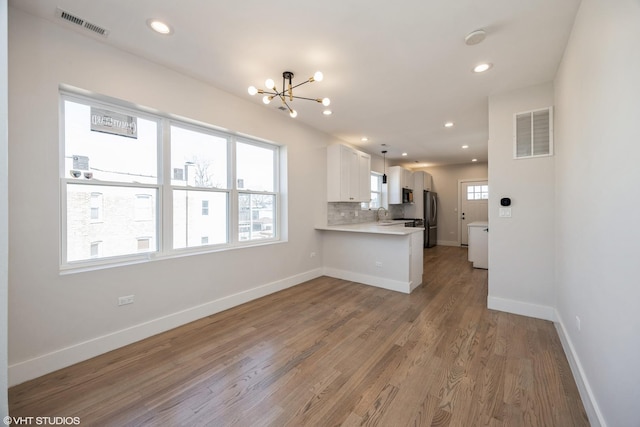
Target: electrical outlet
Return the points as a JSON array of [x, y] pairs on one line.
[[379, 264], [578, 323], [126, 300], [312, 255]]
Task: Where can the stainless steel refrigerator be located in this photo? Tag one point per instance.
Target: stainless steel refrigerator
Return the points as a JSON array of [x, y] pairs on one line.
[[430, 219]]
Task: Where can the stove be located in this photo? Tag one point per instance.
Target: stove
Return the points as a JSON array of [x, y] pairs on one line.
[[412, 222]]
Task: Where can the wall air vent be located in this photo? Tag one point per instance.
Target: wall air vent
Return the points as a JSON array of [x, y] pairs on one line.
[[533, 133], [96, 29]]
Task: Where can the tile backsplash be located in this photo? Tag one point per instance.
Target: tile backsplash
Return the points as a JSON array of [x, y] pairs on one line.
[[339, 213]]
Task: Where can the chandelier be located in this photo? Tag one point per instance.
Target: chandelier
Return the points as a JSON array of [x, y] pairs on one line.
[[287, 91]]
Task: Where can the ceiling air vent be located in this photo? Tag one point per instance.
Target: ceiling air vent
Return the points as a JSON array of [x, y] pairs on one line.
[[82, 23]]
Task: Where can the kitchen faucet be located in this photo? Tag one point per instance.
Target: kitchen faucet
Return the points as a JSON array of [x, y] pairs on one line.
[[386, 213]]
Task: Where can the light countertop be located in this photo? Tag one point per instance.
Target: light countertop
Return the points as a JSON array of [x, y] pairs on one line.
[[478, 224], [395, 228]]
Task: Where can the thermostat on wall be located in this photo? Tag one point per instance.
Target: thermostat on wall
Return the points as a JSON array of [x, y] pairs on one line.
[[505, 201]]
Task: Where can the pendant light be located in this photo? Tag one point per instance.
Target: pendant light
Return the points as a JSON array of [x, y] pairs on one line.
[[384, 166]]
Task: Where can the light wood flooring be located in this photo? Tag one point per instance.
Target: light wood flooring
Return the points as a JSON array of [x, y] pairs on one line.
[[330, 352]]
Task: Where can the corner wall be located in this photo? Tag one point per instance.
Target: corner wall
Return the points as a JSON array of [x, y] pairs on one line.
[[598, 205], [4, 210], [521, 248], [56, 320]]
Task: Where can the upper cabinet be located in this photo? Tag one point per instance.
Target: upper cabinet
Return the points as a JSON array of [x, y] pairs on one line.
[[348, 174], [422, 181], [399, 178]]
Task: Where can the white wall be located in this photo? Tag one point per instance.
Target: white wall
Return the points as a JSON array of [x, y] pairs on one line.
[[56, 320], [445, 183], [521, 248], [597, 200], [4, 209]]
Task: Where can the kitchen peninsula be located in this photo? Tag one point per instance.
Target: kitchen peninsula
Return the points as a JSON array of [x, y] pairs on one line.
[[383, 254]]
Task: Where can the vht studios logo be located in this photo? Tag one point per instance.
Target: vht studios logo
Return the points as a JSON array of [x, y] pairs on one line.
[[41, 421]]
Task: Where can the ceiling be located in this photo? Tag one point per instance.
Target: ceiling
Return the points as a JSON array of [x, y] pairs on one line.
[[394, 71]]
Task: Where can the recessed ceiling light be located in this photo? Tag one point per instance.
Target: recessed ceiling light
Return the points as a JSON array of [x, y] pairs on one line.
[[474, 160], [364, 139], [464, 147], [159, 27], [404, 154], [327, 112], [481, 68], [448, 124]]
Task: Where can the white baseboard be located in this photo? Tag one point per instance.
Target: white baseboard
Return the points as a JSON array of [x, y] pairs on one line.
[[379, 282], [58, 359], [586, 394], [522, 308]]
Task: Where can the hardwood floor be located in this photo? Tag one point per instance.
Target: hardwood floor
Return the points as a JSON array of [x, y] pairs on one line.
[[330, 352]]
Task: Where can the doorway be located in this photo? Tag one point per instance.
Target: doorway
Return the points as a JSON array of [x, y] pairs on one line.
[[473, 205]]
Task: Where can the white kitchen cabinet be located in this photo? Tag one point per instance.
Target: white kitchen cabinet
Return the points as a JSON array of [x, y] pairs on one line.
[[383, 259], [348, 174], [399, 178], [416, 209], [478, 251], [427, 182]]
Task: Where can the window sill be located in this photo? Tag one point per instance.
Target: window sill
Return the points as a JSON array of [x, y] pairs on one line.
[[88, 266]]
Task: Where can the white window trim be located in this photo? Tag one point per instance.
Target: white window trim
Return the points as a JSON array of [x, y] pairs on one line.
[[164, 206], [366, 206]]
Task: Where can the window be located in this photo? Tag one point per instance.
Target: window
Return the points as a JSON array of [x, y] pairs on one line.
[[478, 192], [95, 251], [256, 165], [143, 207], [201, 197], [376, 192], [144, 244], [112, 186], [96, 207]]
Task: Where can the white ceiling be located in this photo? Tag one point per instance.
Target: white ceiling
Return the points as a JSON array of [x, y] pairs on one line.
[[395, 71]]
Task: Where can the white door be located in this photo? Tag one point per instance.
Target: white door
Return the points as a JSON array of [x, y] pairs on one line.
[[474, 205]]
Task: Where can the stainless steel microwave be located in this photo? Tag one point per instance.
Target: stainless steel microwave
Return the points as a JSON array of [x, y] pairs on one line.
[[407, 195]]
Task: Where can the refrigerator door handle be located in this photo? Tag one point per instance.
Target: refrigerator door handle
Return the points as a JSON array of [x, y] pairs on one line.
[[435, 208]]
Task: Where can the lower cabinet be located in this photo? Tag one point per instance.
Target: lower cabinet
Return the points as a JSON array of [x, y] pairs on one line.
[[478, 251]]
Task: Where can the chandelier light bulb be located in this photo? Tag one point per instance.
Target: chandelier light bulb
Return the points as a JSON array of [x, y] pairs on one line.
[[266, 99], [318, 76], [326, 102], [252, 90], [270, 84], [293, 114]]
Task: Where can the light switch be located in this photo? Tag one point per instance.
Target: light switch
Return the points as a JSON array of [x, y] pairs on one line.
[[504, 213]]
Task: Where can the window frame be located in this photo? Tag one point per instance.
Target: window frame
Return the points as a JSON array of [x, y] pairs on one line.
[[475, 191], [367, 205], [164, 187]]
